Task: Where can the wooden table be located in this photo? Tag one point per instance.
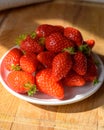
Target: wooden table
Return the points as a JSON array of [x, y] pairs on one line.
[[16, 114]]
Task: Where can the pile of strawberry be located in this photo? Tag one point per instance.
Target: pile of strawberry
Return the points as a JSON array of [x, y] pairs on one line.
[[49, 59]]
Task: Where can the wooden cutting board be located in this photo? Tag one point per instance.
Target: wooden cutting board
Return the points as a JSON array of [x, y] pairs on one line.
[[16, 114]]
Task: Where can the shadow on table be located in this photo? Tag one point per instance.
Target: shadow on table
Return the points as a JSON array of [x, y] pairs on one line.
[[93, 102]]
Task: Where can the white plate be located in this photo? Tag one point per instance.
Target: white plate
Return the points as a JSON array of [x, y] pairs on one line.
[[72, 94]]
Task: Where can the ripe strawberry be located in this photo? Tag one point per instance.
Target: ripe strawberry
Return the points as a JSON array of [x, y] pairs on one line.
[[21, 82], [30, 43], [61, 65], [59, 28], [46, 58], [92, 72], [73, 80], [45, 30], [12, 59], [29, 62], [90, 43], [74, 35], [46, 84], [80, 63], [57, 42]]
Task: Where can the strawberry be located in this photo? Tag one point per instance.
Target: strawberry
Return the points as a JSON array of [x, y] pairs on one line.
[[45, 30], [30, 43], [90, 43], [73, 35], [40, 66], [21, 82], [80, 63], [59, 28], [46, 58], [46, 84], [12, 59], [29, 62], [92, 72], [73, 80], [56, 42], [61, 65]]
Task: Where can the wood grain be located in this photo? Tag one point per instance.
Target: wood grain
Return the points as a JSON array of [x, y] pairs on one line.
[[85, 115]]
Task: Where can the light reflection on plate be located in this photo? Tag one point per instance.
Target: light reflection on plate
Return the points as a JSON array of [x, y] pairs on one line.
[[72, 94]]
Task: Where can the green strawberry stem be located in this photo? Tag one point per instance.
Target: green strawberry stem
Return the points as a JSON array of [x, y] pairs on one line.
[[32, 88], [23, 37], [42, 41], [16, 67], [85, 49], [97, 63], [95, 81], [32, 91], [33, 35], [70, 50], [20, 38]]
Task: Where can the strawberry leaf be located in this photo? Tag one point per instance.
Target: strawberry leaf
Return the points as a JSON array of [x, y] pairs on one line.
[[32, 88], [20, 38], [32, 91], [16, 67], [85, 49], [42, 41], [33, 35], [70, 50], [97, 62], [95, 81]]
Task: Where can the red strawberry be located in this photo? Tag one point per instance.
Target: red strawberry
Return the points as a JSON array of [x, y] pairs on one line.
[[45, 30], [90, 43], [74, 35], [57, 42], [61, 65], [46, 84], [30, 44], [80, 63], [92, 73], [59, 28], [46, 58], [12, 59], [73, 80], [29, 62], [21, 82]]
